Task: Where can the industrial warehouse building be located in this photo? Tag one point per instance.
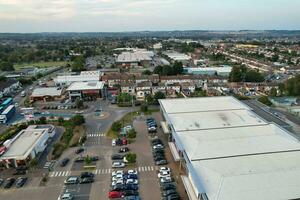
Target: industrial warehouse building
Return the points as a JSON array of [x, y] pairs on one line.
[[230, 153], [84, 76], [25, 146], [46, 93]]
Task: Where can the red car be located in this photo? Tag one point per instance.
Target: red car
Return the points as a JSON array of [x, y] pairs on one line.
[[115, 194], [124, 141]]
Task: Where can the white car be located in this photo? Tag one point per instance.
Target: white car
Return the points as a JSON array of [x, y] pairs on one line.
[[117, 177], [131, 171], [158, 146], [118, 164], [120, 181], [71, 180], [165, 179], [164, 169], [119, 172], [132, 181], [164, 174], [66, 196], [113, 143]]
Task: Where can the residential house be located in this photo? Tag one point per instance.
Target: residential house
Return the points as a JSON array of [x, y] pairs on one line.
[[188, 88], [143, 89], [160, 87], [172, 89], [128, 88]]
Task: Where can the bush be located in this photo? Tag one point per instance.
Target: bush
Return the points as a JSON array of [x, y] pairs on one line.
[[42, 120], [131, 134], [58, 149], [265, 100], [87, 160], [131, 157], [61, 120], [116, 126], [77, 120], [144, 108]]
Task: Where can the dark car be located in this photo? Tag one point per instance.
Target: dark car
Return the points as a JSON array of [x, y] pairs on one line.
[[117, 157], [167, 187], [86, 180], [161, 162], [118, 187], [21, 181], [118, 142], [169, 192], [131, 187], [158, 158], [87, 175], [20, 172], [79, 159], [23, 167], [131, 176], [1, 181], [131, 193], [158, 151], [173, 197], [133, 197], [78, 151], [94, 158], [64, 162], [8, 183], [123, 149]]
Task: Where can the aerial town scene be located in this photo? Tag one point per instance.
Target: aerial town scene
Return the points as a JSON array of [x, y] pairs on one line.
[[149, 100]]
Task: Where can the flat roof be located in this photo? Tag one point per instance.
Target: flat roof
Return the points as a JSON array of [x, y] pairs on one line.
[[24, 142], [214, 120], [259, 177], [184, 105], [234, 153], [135, 56], [46, 91], [91, 85]]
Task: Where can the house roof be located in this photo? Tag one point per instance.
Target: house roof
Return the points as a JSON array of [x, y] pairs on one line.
[[92, 85]]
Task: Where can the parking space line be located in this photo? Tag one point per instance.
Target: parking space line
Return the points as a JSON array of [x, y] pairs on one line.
[[152, 168], [109, 170]]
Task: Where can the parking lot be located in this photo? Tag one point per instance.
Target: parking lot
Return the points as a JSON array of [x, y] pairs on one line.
[[97, 144]]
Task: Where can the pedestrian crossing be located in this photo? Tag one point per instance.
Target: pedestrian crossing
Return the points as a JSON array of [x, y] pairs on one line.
[[59, 173], [103, 171], [95, 135]]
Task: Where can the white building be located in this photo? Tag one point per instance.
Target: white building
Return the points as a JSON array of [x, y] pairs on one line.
[[134, 59], [221, 71], [230, 153], [26, 145], [180, 57], [84, 76], [85, 89]]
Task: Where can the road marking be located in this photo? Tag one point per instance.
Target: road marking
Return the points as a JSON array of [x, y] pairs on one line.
[[109, 170], [152, 168]]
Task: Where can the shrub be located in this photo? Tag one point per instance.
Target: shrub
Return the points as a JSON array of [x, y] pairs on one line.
[[265, 100], [87, 160], [77, 120], [131, 157], [58, 149], [116, 126], [131, 134], [61, 120]]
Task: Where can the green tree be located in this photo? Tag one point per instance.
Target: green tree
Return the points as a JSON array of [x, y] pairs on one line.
[[116, 126], [131, 157], [78, 103], [78, 64], [177, 68], [235, 74], [61, 120], [42, 120], [265, 100], [6, 66], [77, 120], [147, 72], [149, 99], [88, 160], [254, 76], [144, 107], [273, 92], [159, 95]]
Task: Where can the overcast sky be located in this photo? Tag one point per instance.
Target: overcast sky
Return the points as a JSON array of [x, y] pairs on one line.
[[139, 15]]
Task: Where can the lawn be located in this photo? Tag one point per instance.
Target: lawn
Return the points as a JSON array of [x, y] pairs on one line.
[[40, 64]]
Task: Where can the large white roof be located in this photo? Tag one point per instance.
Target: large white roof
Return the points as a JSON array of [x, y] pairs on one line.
[[234, 153], [201, 104], [93, 85], [24, 143], [46, 91], [260, 177]]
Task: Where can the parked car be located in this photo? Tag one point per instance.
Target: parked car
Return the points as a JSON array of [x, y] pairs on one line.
[[132, 181], [8, 183], [66, 196], [131, 171], [20, 172], [161, 162], [133, 197], [118, 187], [167, 187], [1, 181], [115, 173], [124, 141], [118, 164], [71, 180], [131, 193], [115, 194], [64, 162], [86, 180], [131, 187], [113, 142], [79, 159], [94, 158], [79, 150], [123, 149], [87, 175], [164, 169], [169, 192], [21, 181], [158, 146], [172, 197], [117, 177], [117, 157], [165, 179], [164, 174]]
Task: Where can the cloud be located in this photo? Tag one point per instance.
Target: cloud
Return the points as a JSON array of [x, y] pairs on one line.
[[36, 9]]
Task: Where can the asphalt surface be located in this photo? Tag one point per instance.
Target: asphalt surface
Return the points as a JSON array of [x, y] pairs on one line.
[[264, 112]]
